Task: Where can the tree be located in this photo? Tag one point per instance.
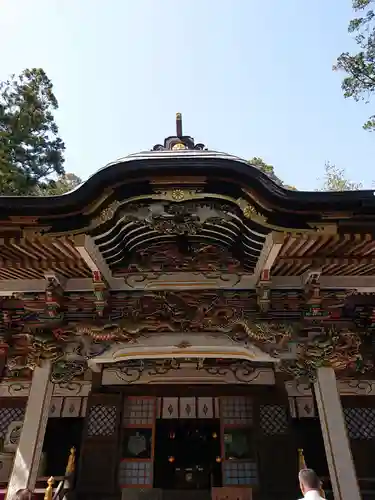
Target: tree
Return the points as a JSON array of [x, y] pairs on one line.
[[335, 180], [269, 170], [360, 67], [64, 184], [31, 151]]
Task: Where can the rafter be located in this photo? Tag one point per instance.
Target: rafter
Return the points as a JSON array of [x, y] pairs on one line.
[[90, 253], [268, 255]]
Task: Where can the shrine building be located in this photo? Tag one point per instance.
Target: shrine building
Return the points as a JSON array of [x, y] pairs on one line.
[[188, 324]]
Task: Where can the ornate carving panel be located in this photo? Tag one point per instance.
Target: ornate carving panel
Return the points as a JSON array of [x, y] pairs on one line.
[[346, 387], [102, 420], [168, 257], [194, 371], [273, 419], [22, 389]]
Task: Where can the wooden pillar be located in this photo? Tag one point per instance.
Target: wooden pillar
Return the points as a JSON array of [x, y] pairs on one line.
[[27, 459], [340, 462]]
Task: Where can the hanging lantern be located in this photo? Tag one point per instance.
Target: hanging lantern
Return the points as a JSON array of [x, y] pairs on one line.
[[172, 435], [171, 459], [214, 435], [218, 459]]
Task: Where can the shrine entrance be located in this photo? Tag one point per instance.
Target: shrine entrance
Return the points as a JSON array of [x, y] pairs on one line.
[[187, 454]]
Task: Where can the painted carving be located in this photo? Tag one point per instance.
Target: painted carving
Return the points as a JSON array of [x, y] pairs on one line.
[[197, 257], [64, 371], [100, 292], [339, 350], [54, 298], [13, 436], [131, 371], [66, 340], [123, 330]]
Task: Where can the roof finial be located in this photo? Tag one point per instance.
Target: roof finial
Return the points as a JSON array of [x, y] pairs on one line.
[[178, 125]]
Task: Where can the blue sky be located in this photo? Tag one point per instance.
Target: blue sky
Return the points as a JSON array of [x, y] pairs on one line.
[[251, 78]]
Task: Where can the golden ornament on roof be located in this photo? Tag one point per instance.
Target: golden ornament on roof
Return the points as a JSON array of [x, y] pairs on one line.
[[178, 146]]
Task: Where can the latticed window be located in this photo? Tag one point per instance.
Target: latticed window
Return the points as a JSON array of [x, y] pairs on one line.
[[273, 420], [237, 411], [9, 415], [240, 473], [139, 411], [360, 422], [135, 473], [102, 420]]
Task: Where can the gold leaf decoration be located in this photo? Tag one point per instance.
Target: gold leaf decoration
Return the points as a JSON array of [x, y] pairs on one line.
[[178, 194], [107, 213]]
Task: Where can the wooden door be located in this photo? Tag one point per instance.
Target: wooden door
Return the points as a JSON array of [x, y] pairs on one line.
[[277, 451], [101, 445], [359, 413]]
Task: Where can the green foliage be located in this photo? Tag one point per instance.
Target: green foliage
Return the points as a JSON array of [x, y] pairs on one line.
[[359, 83], [269, 170], [31, 150], [335, 180], [64, 184]]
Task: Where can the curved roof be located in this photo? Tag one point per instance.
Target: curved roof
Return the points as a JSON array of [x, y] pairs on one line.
[[181, 163], [181, 207], [102, 205]]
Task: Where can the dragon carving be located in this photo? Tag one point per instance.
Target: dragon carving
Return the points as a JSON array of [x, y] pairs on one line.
[[341, 351]]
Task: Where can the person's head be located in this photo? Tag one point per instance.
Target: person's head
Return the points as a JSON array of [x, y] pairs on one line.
[[308, 480], [25, 494]]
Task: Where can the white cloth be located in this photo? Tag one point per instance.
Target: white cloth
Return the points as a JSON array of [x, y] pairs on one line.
[[312, 495]]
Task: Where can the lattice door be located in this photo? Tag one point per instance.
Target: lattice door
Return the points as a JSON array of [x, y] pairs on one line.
[[100, 447], [277, 449], [359, 413]]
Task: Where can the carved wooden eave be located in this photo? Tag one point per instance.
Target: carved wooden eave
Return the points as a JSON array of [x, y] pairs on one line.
[[182, 346], [183, 200], [206, 242], [189, 199], [186, 372]]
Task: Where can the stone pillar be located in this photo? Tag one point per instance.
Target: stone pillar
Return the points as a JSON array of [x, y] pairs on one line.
[[337, 446], [28, 455]]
